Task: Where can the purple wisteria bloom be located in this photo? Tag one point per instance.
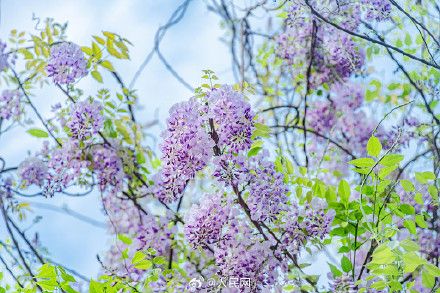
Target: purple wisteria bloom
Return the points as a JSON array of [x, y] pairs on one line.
[[4, 62], [333, 54], [240, 254], [321, 117], [267, 190], [66, 63], [343, 284], [66, 164], [205, 220], [32, 171], [233, 118], [10, 104], [347, 96], [377, 10], [85, 120], [186, 149], [109, 168]]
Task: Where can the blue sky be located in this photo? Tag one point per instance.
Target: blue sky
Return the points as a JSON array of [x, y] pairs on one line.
[[191, 46]]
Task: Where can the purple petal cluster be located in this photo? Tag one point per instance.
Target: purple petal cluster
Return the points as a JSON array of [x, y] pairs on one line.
[[65, 165], [429, 241], [343, 284], [233, 118], [301, 225], [347, 96], [241, 255], [108, 166], [155, 233], [4, 62], [316, 220], [66, 63], [321, 117], [6, 187], [32, 171], [186, 149], [267, 190], [205, 221], [377, 10], [10, 104], [334, 56], [85, 120]]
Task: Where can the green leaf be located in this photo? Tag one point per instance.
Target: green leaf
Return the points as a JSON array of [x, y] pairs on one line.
[[409, 245], [424, 177], [108, 65], [346, 264], [428, 280], [391, 159], [407, 185], [38, 132], [254, 151], [385, 171], [335, 271], [96, 75], [374, 147], [47, 271], [408, 40], [362, 162], [143, 265], [411, 261], [410, 225], [138, 256], [344, 191], [420, 220], [383, 255], [125, 239], [432, 269], [261, 130], [407, 209]]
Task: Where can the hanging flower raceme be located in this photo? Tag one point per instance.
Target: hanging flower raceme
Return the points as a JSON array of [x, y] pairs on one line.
[[187, 145], [343, 284], [307, 40], [10, 104], [301, 225], [205, 220], [32, 171], [347, 96], [316, 220], [66, 63], [267, 190], [85, 120], [4, 57], [108, 166], [377, 10], [66, 164], [321, 117], [240, 254], [233, 118], [186, 149]]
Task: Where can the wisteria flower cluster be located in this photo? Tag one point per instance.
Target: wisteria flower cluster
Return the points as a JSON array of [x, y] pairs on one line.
[[205, 221], [332, 55], [4, 63], [32, 171], [10, 106], [85, 120], [188, 143], [66, 63]]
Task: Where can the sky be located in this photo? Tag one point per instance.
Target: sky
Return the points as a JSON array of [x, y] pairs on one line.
[[191, 46]]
